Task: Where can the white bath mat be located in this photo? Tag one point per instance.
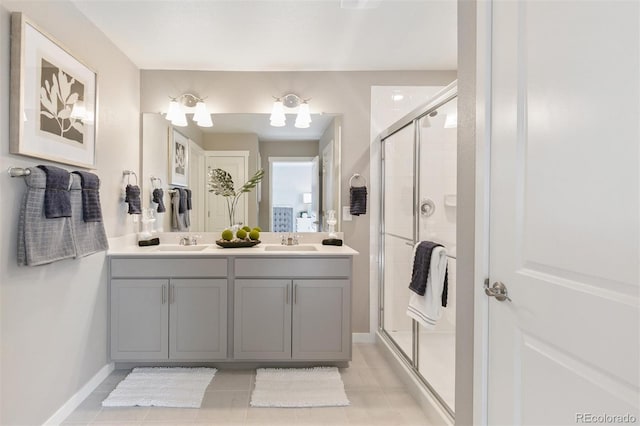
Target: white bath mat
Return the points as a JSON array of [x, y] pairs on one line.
[[299, 387], [161, 387]]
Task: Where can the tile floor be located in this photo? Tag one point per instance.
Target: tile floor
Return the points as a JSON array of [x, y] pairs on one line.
[[377, 397]]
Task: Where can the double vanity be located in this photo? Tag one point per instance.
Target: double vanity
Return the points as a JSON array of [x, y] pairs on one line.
[[202, 303]]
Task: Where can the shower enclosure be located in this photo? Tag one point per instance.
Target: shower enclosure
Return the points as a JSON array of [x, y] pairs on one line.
[[419, 203]]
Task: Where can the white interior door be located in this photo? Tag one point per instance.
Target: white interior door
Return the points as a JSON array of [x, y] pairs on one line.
[[236, 164], [564, 213], [197, 184]]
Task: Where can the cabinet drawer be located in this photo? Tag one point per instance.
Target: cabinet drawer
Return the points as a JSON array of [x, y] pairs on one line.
[[293, 268], [148, 268]]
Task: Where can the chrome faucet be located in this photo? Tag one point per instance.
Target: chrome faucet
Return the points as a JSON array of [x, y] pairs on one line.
[[189, 240], [289, 240]]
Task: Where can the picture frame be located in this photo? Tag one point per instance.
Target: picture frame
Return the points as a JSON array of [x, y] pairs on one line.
[[53, 105], [178, 158]]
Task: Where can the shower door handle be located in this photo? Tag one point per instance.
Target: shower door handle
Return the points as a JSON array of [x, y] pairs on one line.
[[497, 290]]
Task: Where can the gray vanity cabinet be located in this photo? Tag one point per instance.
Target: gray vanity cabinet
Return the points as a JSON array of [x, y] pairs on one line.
[[198, 319], [305, 317], [321, 328], [182, 317], [139, 319], [262, 319]]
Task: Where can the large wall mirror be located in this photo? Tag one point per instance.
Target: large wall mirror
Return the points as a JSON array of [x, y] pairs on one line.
[[302, 170]]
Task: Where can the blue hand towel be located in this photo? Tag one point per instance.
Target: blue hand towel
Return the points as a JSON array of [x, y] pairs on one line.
[[133, 198], [90, 184], [158, 198], [182, 207], [57, 201], [421, 267], [188, 191], [358, 200]]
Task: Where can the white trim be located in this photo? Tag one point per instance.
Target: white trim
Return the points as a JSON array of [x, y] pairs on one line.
[[482, 199], [363, 337], [77, 398]]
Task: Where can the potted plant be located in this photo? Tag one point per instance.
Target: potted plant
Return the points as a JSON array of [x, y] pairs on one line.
[[221, 183]]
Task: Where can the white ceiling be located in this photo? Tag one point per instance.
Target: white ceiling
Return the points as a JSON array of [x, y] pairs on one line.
[[279, 35]]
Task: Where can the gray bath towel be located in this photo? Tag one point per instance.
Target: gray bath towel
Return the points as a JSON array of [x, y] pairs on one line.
[[177, 222], [89, 237], [41, 240], [56, 195]]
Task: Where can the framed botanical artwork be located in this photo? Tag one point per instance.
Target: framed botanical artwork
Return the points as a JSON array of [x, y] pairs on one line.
[[178, 158], [53, 99]]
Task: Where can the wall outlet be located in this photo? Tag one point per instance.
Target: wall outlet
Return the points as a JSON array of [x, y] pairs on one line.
[[346, 214]]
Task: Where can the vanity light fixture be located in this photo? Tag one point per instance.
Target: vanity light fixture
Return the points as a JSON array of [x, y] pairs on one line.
[[278, 118], [188, 103]]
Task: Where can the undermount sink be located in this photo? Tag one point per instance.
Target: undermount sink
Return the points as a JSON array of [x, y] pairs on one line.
[[176, 247], [290, 248]]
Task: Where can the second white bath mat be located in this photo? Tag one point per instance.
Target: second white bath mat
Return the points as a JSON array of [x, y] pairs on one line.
[[299, 387], [161, 387]]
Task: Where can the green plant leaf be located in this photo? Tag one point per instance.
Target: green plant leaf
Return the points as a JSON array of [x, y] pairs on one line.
[[221, 183], [251, 183]]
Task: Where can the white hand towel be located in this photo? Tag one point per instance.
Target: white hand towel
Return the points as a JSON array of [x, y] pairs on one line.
[[427, 309]]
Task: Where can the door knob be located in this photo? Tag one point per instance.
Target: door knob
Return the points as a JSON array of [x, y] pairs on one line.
[[497, 290]]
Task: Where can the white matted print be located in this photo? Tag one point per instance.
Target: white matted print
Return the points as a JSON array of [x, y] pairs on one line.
[[53, 99], [178, 158]]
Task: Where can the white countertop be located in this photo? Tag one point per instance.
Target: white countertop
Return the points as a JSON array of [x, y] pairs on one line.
[[262, 249]]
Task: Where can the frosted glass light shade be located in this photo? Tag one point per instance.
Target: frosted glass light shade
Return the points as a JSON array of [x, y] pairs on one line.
[[451, 121], [173, 110], [202, 116], [277, 117], [78, 111], [304, 117], [179, 119]]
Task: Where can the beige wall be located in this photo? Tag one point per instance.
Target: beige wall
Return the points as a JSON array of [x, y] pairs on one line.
[[347, 93], [54, 317], [238, 142], [279, 149], [155, 158]]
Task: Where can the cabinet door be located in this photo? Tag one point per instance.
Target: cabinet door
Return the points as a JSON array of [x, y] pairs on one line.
[[262, 319], [321, 320], [198, 319], [139, 319]]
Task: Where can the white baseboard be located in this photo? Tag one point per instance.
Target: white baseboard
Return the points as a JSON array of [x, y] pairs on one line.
[[363, 338], [77, 398]]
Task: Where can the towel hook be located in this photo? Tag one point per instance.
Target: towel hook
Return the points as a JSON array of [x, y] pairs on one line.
[[128, 174], [357, 176]]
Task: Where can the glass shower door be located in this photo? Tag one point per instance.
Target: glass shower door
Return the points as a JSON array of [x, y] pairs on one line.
[[437, 186], [398, 235]]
